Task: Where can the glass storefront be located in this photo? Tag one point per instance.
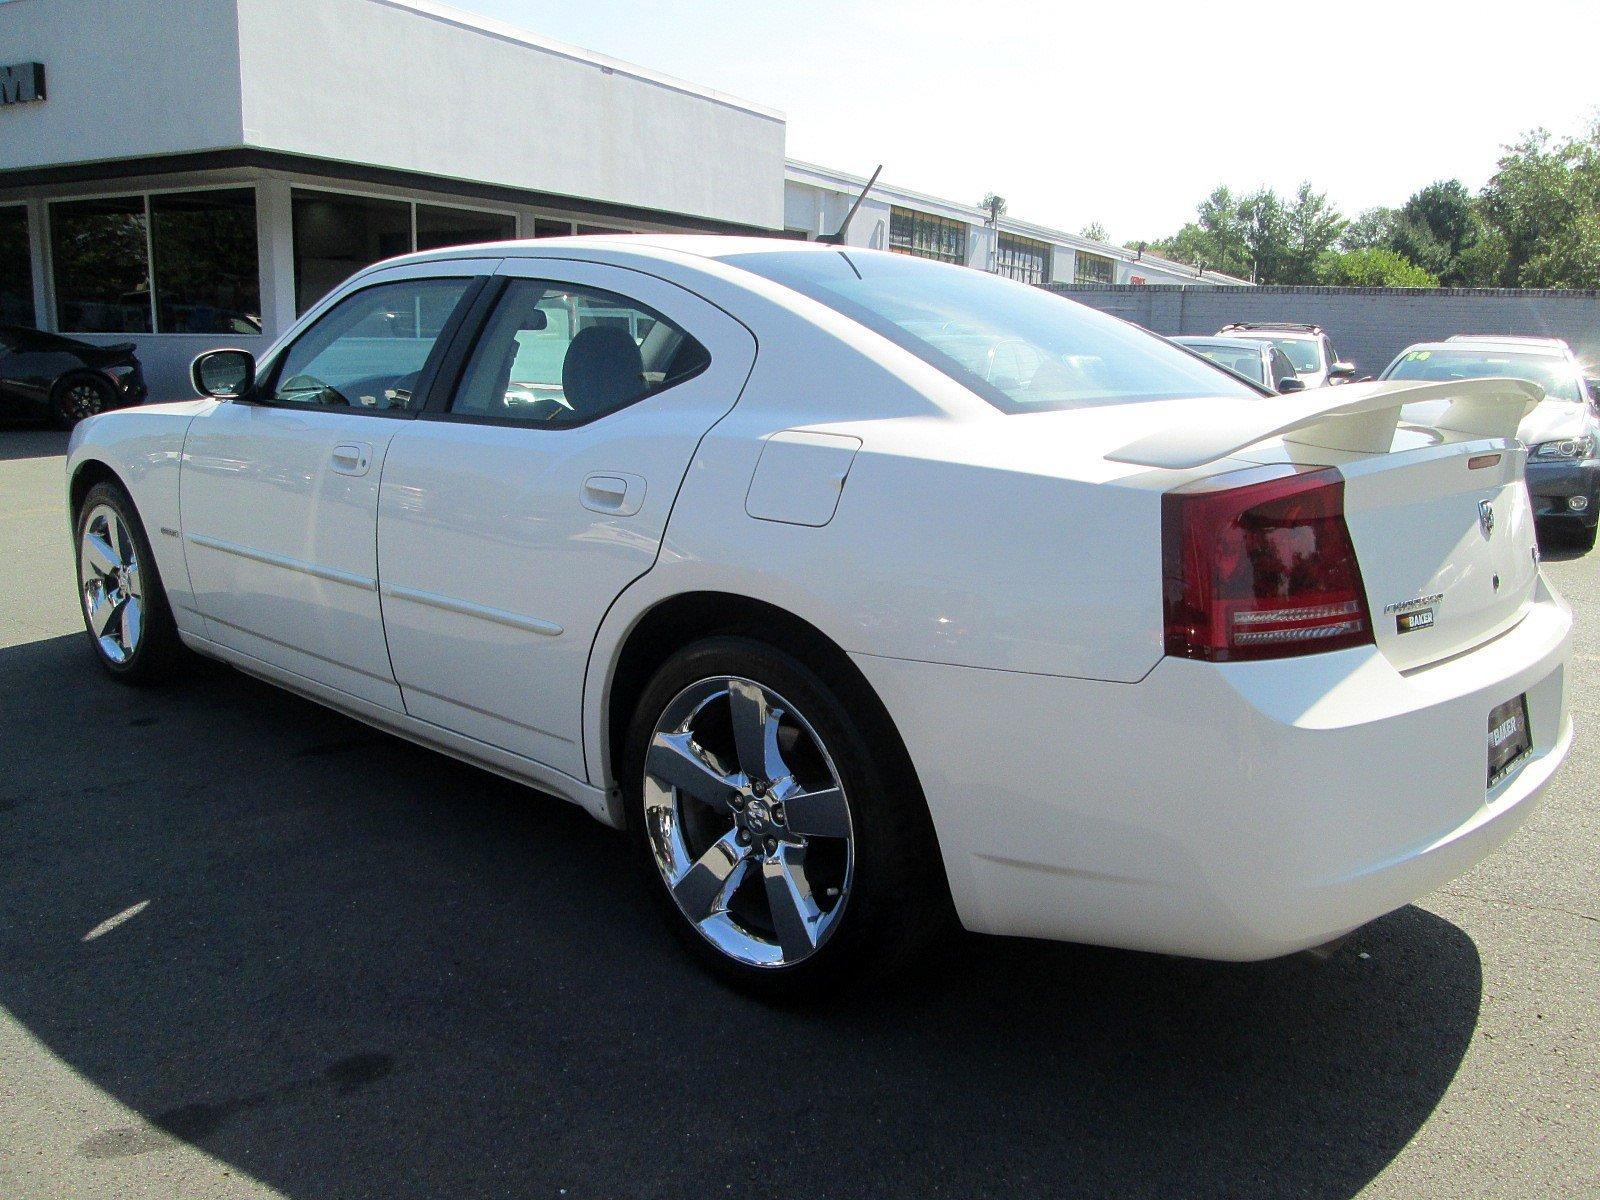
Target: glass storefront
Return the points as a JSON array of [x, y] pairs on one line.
[[1092, 268], [100, 251], [437, 227], [16, 267], [927, 236], [335, 236], [207, 270], [1023, 259]]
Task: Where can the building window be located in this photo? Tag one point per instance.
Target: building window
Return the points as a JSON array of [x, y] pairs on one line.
[[100, 253], [16, 268], [438, 227], [544, 227], [1092, 268], [207, 271], [1023, 259], [335, 236], [927, 236]]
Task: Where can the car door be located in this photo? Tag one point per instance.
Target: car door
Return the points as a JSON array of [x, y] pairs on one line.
[[279, 490], [513, 514]]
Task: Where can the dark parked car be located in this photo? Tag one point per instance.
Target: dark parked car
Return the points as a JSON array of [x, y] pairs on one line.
[[63, 379]]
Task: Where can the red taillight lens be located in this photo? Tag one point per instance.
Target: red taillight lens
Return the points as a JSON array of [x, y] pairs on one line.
[[1261, 567]]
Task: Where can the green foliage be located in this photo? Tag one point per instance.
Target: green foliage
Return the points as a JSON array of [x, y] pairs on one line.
[[1372, 266], [1094, 231], [1535, 224]]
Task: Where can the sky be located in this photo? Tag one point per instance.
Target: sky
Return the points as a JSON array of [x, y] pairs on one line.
[[1123, 113]]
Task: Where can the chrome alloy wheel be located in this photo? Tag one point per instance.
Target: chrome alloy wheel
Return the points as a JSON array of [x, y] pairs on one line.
[[748, 822], [113, 600]]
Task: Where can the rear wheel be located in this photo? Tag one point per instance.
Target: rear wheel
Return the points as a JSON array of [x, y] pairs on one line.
[[80, 396], [125, 610], [787, 853]]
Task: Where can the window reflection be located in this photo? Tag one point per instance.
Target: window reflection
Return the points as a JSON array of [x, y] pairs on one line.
[[438, 227], [335, 236], [102, 269], [206, 273], [16, 269]]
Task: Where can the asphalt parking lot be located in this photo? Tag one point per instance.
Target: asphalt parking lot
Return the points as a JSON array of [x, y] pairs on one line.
[[251, 948]]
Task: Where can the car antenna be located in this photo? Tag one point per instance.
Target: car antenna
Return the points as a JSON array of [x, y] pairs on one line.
[[837, 238]]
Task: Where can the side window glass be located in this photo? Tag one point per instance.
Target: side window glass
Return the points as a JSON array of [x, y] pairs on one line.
[[556, 355], [367, 351], [1282, 368]]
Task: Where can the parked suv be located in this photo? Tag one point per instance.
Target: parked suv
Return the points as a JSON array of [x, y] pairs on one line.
[[1315, 361], [1562, 433]]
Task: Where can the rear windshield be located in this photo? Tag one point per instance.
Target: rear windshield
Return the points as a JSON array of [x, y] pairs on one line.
[[1019, 347], [1554, 374]]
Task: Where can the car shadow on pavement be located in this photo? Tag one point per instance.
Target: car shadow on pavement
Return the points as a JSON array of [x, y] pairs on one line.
[[362, 969], [19, 440]]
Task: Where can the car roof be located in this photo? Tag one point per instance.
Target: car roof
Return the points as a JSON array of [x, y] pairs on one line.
[[1229, 342], [1512, 339], [1487, 346]]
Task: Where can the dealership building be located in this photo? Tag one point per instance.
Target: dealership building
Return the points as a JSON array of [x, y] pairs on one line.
[[189, 175]]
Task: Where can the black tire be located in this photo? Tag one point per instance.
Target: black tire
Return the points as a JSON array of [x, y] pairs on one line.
[[897, 900], [157, 654], [76, 397]]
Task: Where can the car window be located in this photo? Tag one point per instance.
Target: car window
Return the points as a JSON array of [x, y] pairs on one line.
[[1235, 358], [1304, 353], [1282, 368], [556, 355], [1553, 373], [1018, 347], [367, 351]]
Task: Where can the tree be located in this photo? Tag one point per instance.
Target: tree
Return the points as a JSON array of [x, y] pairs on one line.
[[1445, 210], [1544, 202], [1094, 231], [1311, 227], [1374, 227], [1372, 266]]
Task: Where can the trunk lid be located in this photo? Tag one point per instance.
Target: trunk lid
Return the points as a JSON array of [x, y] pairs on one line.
[[1438, 513]]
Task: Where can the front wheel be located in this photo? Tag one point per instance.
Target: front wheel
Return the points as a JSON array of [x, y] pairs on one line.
[[125, 610], [787, 852]]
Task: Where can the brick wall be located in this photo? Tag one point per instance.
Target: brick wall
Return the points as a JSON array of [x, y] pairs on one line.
[[1369, 326]]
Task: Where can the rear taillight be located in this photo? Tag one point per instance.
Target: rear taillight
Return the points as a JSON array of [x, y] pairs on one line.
[[1259, 564]]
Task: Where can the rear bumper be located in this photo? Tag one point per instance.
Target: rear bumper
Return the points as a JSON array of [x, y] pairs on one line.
[[1239, 811], [1552, 484]]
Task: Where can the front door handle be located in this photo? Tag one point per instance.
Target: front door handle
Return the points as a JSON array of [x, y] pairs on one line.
[[613, 493], [352, 458]]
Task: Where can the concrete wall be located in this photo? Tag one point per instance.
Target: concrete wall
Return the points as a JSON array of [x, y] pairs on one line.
[[1369, 326]]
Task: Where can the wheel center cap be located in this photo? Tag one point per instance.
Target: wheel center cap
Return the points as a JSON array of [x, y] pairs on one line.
[[757, 816]]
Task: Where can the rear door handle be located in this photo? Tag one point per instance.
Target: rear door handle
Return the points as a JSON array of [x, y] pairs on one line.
[[352, 458], [613, 493]]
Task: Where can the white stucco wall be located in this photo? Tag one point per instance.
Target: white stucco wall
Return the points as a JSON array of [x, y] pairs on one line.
[[399, 84], [123, 79]]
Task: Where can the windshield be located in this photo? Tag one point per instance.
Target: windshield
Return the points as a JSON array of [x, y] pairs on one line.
[[1304, 353], [1551, 372], [1236, 358], [1019, 347]]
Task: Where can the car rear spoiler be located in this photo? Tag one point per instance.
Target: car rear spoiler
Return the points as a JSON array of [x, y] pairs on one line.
[[1360, 417]]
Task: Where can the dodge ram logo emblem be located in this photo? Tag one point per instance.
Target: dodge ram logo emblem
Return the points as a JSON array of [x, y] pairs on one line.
[[1486, 518]]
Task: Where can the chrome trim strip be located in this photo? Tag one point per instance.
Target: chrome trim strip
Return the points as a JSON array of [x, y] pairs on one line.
[[348, 578], [466, 608]]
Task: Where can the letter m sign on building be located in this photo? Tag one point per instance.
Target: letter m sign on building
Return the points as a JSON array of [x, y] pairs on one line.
[[21, 83]]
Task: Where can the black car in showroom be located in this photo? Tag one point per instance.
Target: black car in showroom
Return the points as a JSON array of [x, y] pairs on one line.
[[65, 380]]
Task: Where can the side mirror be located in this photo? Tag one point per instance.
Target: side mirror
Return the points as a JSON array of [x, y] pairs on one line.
[[224, 374], [1342, 370], [1290, 383]]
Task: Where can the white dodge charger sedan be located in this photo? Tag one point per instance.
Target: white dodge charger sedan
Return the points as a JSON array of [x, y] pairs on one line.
[[860, 589]]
